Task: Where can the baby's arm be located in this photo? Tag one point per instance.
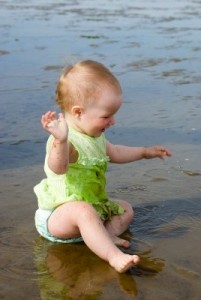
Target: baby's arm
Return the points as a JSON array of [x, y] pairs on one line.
[[59, 152], [125, 154]]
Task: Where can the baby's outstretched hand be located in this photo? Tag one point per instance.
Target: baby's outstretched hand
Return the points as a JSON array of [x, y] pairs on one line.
[[156, 151], [55, 126]]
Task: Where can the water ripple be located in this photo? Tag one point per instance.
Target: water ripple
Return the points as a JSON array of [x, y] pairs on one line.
[[17, 261], [167, 219]]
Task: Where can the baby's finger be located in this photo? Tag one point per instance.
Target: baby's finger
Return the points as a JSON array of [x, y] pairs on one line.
[[167, 153], [43, 119], [52, 115]]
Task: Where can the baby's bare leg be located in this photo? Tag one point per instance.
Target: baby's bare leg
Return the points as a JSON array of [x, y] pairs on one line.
[[120, 223], [80, 218]]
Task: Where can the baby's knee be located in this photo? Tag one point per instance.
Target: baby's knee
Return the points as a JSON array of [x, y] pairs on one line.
[[128, 209]]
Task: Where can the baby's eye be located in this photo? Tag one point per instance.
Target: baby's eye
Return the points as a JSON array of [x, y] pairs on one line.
[[106, 117]]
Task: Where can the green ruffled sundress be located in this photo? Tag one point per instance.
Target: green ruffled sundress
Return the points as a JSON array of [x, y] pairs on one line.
[[84, 181]]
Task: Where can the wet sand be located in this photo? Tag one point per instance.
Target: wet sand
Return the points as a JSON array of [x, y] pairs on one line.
[[154, 49]]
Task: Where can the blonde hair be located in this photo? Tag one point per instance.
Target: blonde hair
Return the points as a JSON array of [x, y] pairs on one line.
[[82, 83]]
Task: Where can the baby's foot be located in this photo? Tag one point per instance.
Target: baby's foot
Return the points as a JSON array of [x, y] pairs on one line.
[[122, 262], [120, 242]]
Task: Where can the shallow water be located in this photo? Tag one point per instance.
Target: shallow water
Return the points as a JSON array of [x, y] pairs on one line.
[[154, 49]]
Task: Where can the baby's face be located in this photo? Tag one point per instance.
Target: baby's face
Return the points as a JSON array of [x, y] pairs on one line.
[[99, 116]]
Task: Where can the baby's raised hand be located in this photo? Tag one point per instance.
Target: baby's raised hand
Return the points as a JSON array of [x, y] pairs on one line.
[[55, 126]]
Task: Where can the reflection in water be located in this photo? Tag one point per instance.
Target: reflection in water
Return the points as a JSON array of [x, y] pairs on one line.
[[148, 267], [74, 271]]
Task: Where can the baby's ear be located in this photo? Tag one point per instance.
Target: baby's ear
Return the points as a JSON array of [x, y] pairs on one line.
[[76, 111]]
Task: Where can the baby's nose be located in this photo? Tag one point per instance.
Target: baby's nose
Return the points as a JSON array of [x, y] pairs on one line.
[[112, 121]]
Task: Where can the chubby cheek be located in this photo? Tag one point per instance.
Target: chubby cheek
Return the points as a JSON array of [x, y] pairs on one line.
[[103, 124], [107, 123]]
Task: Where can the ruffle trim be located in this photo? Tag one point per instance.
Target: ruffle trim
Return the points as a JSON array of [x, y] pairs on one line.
[[94, 161]]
